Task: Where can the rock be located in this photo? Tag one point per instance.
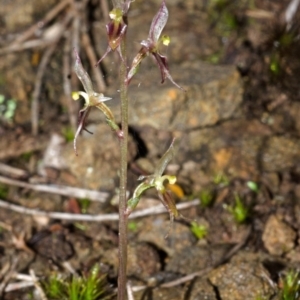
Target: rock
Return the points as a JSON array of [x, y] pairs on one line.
[[241, 279], [98, 160], [231, 147], [196, 258], [174, 293], [278, 237], [202, 290], [155, 229], [214, 93], [280, 152], [143, 260]]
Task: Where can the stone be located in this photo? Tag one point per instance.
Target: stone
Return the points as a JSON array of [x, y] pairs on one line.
[[241, 279], [197, 258], [174, 293], [231, 147], [154, 231], [202, 290], [278, 237], [280, 152], [143, 260], [98, 160], [213, 93]]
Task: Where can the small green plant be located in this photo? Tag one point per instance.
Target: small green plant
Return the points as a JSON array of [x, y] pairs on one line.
[[221, 179], [3, 191], [239, 211], [253, 186], [7, 108], [290, 286], [275, 65], [199, 231], [206, 198], [68, 134], [132, 226], [90, 287], [84, 205]]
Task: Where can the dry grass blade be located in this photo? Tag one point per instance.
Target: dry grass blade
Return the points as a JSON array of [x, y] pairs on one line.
[[37, 88], [86, 43]]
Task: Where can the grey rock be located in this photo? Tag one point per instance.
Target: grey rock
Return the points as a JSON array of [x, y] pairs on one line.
[[278, 237], [196, 258], [202, 290], [214, 93]]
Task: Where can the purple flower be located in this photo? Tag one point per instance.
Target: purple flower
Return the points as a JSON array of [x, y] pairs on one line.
[[151, 46], [116, 28]]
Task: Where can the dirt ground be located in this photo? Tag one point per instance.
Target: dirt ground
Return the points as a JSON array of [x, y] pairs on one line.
[[237, 164]]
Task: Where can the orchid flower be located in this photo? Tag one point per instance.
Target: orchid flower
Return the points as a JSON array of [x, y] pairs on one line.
[[91, 99], [116, 28], [157, 181], [151, 46]]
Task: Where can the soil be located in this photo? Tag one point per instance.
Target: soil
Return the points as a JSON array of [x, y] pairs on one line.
[[237, 161]]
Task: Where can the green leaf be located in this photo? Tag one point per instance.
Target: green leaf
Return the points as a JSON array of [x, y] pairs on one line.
[[253, 186], [200, 231]]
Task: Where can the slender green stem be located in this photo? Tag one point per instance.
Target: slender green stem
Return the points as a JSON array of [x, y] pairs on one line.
[[123, 177]]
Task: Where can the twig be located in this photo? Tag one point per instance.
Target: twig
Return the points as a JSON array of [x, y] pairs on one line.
[[37, 285], [37, 88], [105, 10], [23, 277], [12, 171], [41, 70], [59, 189], [129, 291], [8, 275], [67, 84], [26, 45], [86, 43], [159, 209], [76, 27], [43, 42], [259, 14], [291, 12], [18, 285], [69, 267], [40, 24]]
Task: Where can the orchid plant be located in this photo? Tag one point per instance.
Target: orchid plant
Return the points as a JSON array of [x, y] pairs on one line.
[[91, 99], [116, 33], [151, 46], [116, 28], [157, 181]]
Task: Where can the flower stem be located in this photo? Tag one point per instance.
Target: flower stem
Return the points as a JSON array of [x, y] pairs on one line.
[[123, 176]]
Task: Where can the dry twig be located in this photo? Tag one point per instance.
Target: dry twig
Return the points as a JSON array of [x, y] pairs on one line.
[[37, 88], [8, 275], [40, 24], [67, 191], [129, 291], [12, 171], [86, 43], [67, 84], [159, 209], [37, 285]]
